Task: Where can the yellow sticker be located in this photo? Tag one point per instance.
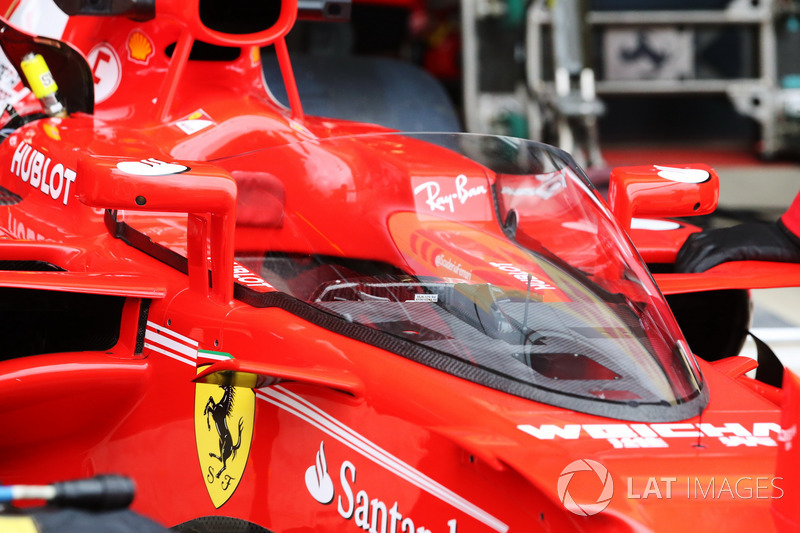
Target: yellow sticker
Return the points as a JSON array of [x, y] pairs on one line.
[[38, 75]]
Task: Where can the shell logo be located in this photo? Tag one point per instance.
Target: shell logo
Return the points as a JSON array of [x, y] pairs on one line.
[[140, 47]]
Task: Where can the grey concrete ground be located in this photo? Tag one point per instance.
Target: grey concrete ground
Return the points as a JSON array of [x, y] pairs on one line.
[[767, 190], [763, 187]]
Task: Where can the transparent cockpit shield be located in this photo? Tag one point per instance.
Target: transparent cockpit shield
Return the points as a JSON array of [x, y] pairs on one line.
[[489, 258]]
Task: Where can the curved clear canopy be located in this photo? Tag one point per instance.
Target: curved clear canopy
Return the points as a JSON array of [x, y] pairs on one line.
[[490, 258]]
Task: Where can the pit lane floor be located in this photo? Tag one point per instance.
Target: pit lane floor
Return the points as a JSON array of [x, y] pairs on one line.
[[766, 191]]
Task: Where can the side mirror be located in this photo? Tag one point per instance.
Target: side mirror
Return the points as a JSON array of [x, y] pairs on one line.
[[662, 191], [206, 192]]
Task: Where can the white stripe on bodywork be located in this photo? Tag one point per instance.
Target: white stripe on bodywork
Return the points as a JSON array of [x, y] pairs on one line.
[[305, 410], [318, 418], [168, 353], [161, 329], [157, 335]]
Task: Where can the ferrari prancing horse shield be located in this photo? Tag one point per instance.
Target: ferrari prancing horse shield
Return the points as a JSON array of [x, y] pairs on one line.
[[223, 428]]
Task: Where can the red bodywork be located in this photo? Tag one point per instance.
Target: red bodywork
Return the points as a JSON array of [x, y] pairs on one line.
[[345, 435]]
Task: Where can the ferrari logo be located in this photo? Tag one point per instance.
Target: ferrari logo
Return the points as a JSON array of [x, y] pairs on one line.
[[223, 428]]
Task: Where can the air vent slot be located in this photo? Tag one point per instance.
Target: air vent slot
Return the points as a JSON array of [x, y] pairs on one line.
[[42, 321], [29, 266]]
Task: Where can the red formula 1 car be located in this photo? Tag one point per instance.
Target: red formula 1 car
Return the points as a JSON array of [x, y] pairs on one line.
[[305, 324]]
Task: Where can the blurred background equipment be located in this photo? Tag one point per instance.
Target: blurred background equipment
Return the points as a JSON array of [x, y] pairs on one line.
[[739, 54], [87, 505], [568, 72]]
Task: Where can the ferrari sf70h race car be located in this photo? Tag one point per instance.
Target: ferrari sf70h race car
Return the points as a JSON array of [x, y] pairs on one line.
[[277, 322]]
